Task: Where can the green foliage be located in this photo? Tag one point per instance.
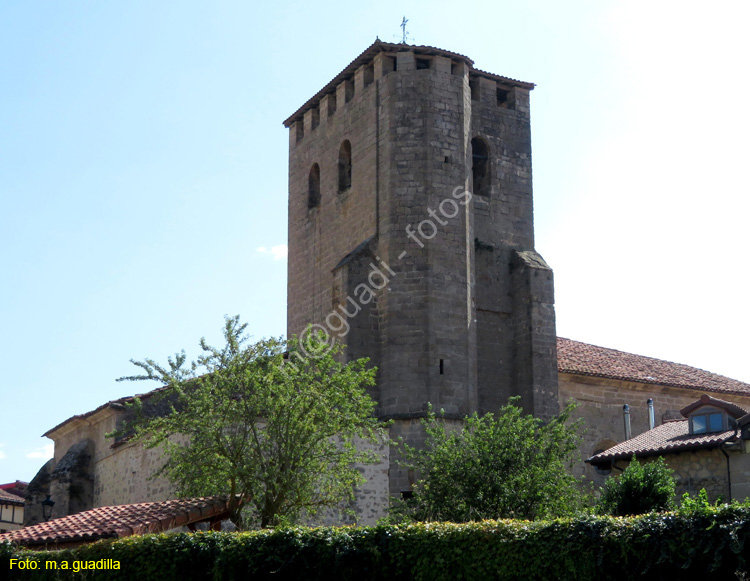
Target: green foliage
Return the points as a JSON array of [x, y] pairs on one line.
[[699, 505], [654, 546], [505, 466], [277, 437], [641, 488], [696, 504]]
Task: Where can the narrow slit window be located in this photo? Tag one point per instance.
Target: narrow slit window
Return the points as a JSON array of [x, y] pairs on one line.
[[369, 75], [345, 166], [313, 187], [480, 166]]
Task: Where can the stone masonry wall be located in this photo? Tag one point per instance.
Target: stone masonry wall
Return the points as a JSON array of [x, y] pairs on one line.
[[693, 471], [122, 474], [124, 477], [515, 296], [428, 333], [320, 237], [410, 117], [600, 402]]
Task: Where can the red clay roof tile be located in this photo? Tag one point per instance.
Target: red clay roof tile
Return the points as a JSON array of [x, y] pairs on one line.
[[583, 359], [669, 437], [10, 498], [119, 521], [733, 409]]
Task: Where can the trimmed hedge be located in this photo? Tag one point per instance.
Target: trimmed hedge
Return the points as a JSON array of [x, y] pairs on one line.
[[656, 546]]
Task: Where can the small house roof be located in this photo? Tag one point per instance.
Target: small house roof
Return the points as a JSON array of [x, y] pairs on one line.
[[670, 437], [119, 521], [10, 498]]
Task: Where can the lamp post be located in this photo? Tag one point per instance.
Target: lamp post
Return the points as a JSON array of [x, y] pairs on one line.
[[47, 505]]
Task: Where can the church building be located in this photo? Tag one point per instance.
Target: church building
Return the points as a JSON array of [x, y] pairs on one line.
[[411, 240]]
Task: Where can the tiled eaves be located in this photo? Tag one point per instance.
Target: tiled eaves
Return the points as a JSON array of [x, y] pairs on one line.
[[10, 498], [673, 436], [379, 46], [731, 408], [576, 358], [120, 521]]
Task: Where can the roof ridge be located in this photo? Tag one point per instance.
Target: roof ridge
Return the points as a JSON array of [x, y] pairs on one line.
[[578, 358]]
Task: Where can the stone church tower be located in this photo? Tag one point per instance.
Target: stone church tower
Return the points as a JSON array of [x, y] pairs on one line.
[[411, 235]]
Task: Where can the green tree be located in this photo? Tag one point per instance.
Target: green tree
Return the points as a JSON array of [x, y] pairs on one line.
[[277, 437], [508, 465], [641, 488]]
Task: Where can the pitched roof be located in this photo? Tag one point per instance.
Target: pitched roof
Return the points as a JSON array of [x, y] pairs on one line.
[[120, 521], [379, 46], [583, 359], [733, 409], [10, 498], [669, 437]]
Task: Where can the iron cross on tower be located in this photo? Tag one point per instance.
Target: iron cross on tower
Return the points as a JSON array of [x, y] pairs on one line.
[[403, 30]]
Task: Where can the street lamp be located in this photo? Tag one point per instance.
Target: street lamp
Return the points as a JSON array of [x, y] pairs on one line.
[[47, 505]]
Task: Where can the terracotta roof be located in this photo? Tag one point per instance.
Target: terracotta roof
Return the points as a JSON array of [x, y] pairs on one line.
[[584, 359], [10, 498], [120, 521], [379, 46], [671, 436], [732, 408], [19, 484]]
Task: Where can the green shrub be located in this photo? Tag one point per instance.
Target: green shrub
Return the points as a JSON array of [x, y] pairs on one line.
[[504, 465], [711, 545], [641, 488]]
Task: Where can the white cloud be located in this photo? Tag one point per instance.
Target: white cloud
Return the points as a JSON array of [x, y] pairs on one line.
[[278, 252], [44, 453]]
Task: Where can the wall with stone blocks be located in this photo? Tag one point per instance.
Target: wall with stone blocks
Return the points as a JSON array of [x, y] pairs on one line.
[[739, 466], [124, 477], [102, 475], [694, 470], [411, 117], [600, 402]]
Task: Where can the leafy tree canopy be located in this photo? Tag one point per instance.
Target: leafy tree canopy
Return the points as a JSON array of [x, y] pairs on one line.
[[508, 465], [276, 435], [641, 488]]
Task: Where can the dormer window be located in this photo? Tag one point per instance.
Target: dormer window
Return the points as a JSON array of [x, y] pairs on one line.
[[710, 415], [706, 423], [710, 419]]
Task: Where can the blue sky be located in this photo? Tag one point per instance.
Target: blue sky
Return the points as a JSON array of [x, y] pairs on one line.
[[143, 176]]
